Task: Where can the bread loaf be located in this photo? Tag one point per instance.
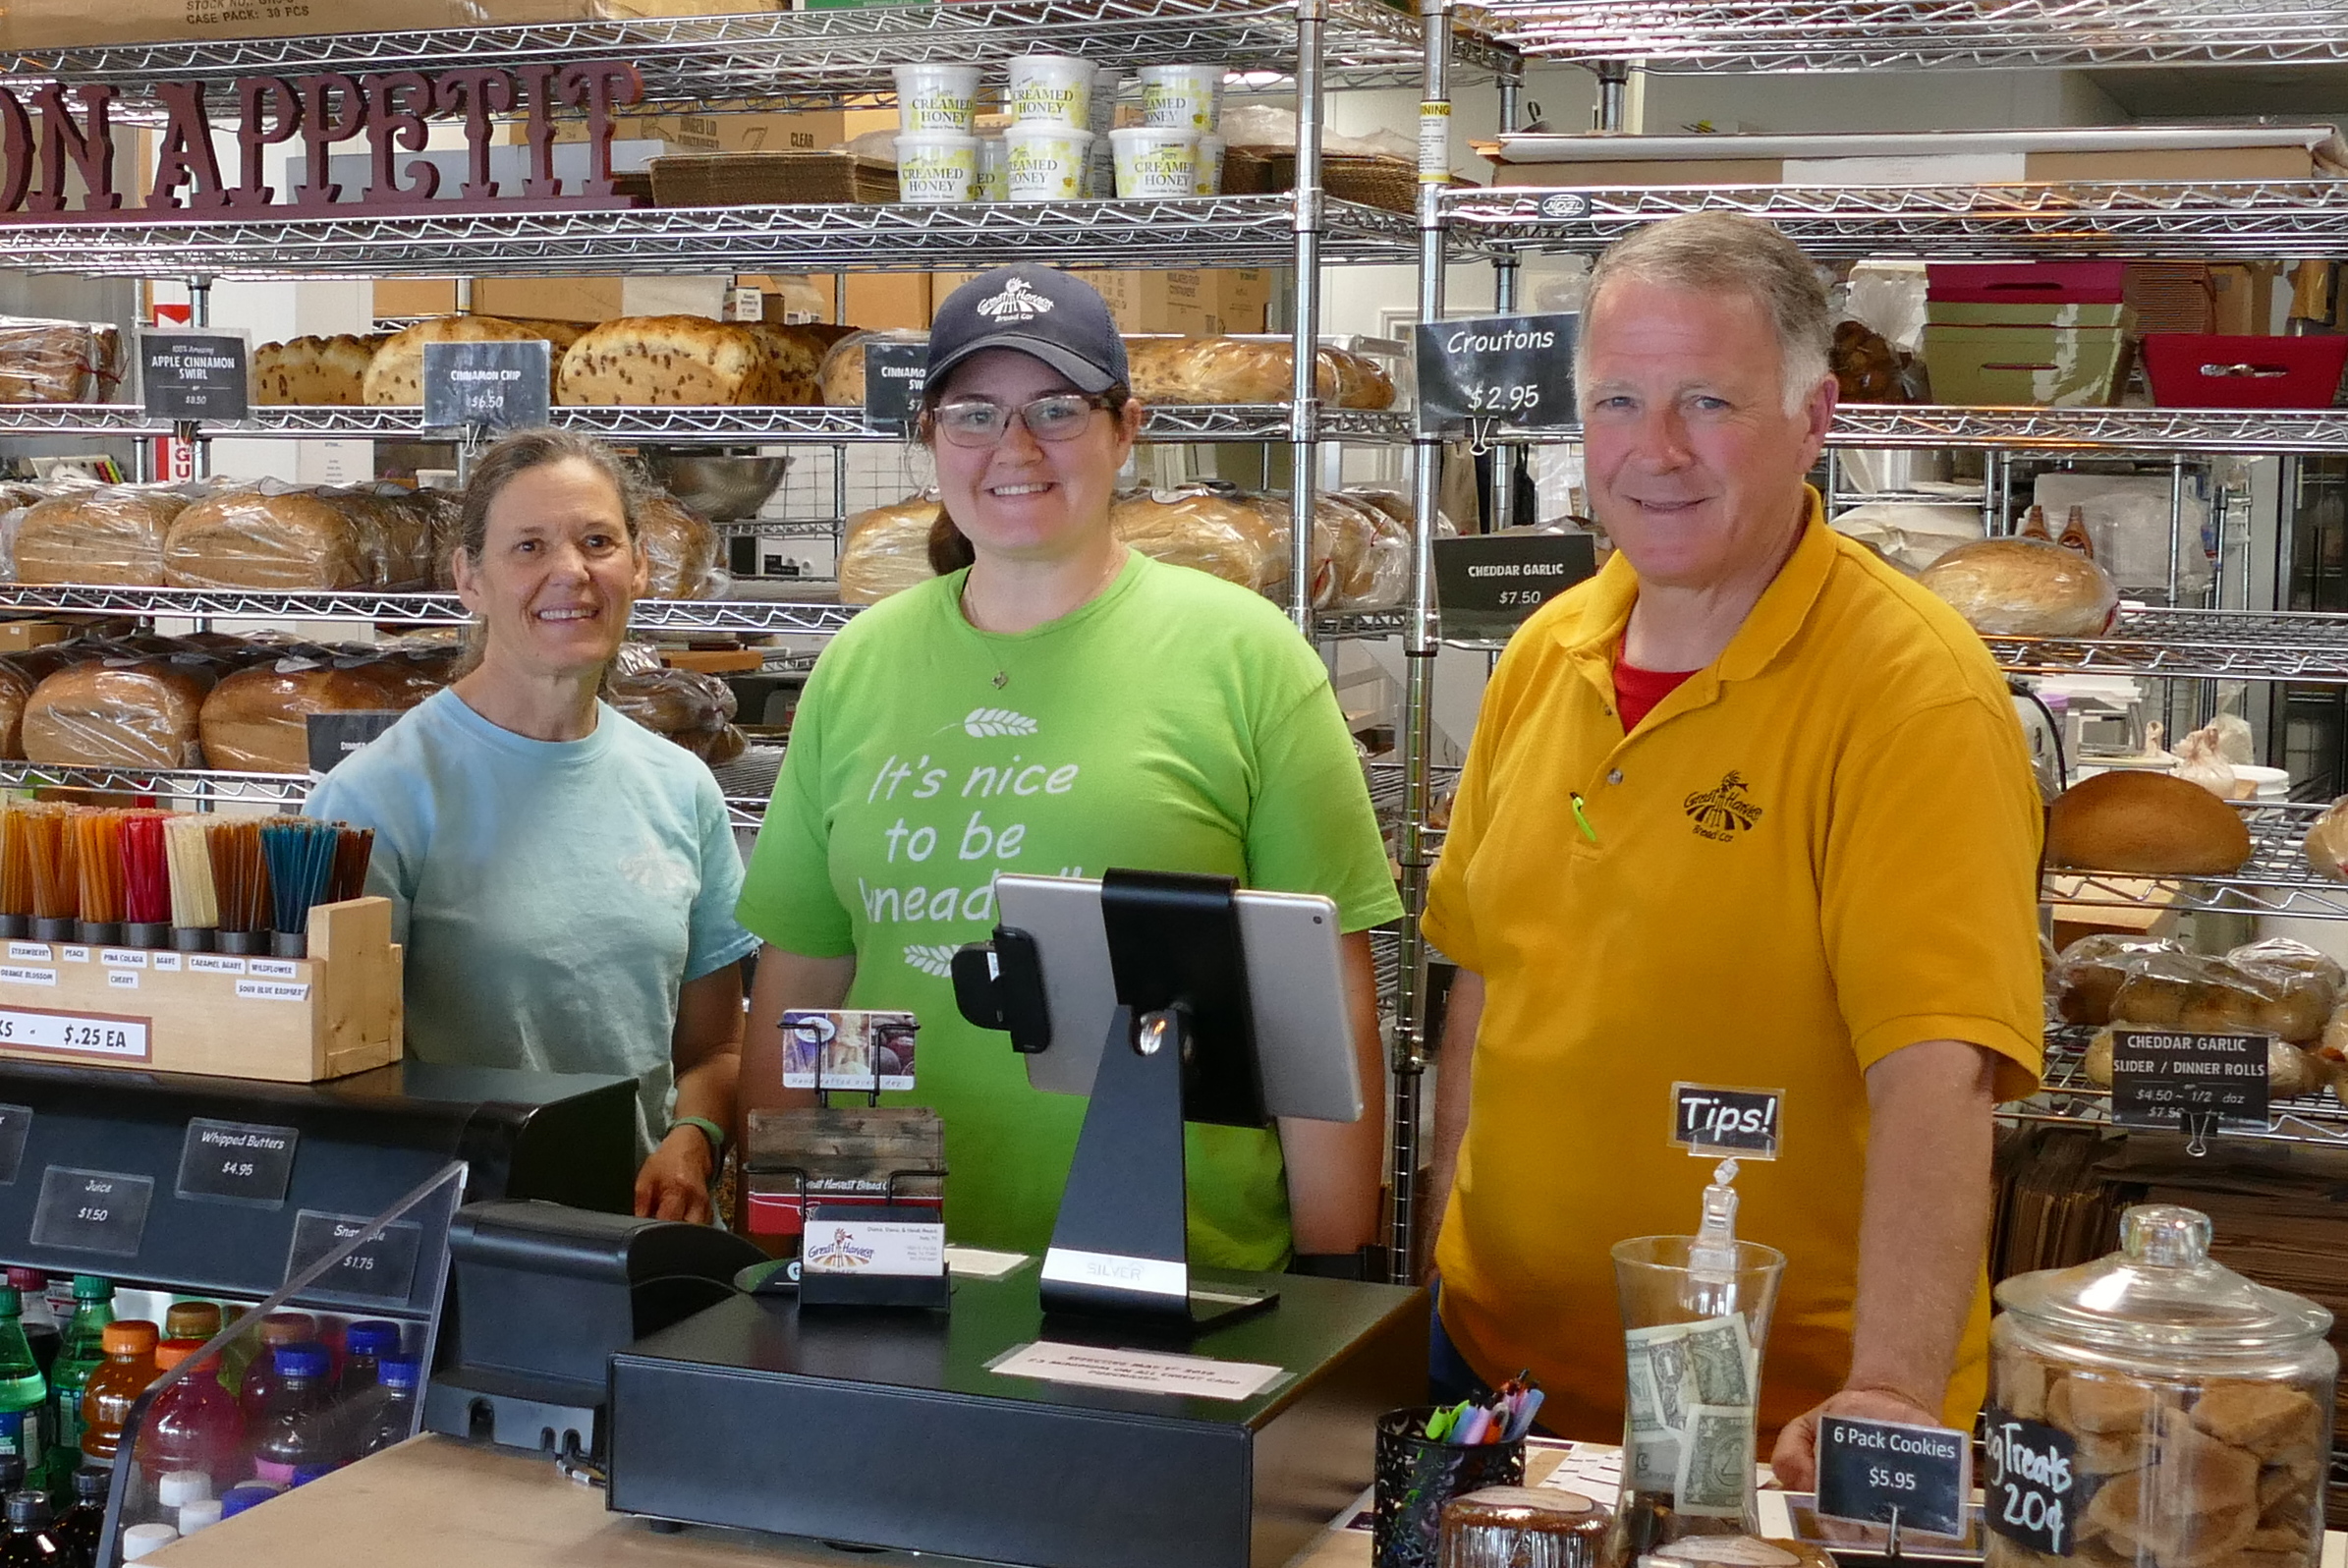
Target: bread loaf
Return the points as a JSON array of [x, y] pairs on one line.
[[119, 714], [1228, 369], [314, 372], [56, 362], [271, 540], [2025, 587], [1362, 556], [682, 548], [2147, 824], [670, 360], [885, 550], [1235, 539], [2210, 995], [2090, 971], [111, 534], [1867, 368], [395, 377], [796, 353], [840, 381], [692, 709], [2326, 843], [258, 720]]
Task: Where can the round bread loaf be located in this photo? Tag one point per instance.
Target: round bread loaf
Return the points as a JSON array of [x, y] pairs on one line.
[[1234, 538], [2150, 824], [258, 720], [2326, 843], [119, 714], [2025, 587], [840, 380], [673, 360], [314, 371], [395, 377], [112, 535], [681, 547], [886, 550], [287, 540]]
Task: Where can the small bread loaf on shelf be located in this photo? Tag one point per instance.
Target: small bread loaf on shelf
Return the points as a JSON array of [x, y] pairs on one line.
[[1228, 369], [2089, 973], [2326, 843], [314, 372], [395, 377], [1233, 537], [111, 534], [2147, 824], [840, 380], [681, 547], [678, 361], [1866, 367], [258, 720], [2025, 587], [886, 550], [1361, 555], [688, 706], [58, 362], [120, 713], [2207, 995]]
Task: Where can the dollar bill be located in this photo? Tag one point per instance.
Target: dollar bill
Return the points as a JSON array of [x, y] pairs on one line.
[[1720, 1354], [1715, 1462], [1645, 1414], [1651, 1462], [1669, 1373]]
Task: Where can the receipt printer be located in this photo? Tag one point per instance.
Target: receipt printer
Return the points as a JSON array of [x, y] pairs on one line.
[[544, 1294]]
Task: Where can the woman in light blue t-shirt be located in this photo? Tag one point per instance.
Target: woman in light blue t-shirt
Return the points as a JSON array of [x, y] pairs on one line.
[[564, 879]]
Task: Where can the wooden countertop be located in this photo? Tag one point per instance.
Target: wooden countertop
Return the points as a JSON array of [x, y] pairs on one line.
[[435, 1502]]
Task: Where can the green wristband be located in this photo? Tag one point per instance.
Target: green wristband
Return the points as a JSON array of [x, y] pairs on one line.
[[708, 1128]]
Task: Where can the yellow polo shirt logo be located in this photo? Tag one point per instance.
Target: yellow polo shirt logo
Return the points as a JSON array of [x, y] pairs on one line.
[[1720, 814]]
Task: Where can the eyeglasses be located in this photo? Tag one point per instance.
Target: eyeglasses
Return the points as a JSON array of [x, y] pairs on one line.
[[978, 421]]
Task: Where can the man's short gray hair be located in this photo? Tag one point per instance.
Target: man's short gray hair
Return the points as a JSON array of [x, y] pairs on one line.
[[1720, 252]]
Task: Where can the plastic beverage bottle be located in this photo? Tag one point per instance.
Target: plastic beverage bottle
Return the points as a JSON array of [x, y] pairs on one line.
[[40, 1324], [113, 1388], [278, 1330], [32, 1541], [194, 1425], [298, 1439], [82, 1522], [23, 1391], [365, 1345], [80, 1355], [393, 1418], [199, 1321]]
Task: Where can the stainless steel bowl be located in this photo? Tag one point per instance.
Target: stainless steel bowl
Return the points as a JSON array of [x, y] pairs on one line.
[[723, 489]]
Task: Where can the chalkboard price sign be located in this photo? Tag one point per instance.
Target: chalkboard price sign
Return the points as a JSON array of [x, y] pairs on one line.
[[1488, 584], [1879, 1471], [192, 375], [2027, 1482], [1517, 370], [498, 386], [2158, 1076], [894, 375]]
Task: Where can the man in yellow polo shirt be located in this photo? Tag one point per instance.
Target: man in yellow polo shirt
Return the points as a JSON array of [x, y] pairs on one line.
[[1748, 810]]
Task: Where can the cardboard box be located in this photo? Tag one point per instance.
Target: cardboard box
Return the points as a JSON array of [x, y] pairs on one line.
[[66, 23], [18, 637], [1185, 299], [813, 132], [553, 299], [2245, 297]]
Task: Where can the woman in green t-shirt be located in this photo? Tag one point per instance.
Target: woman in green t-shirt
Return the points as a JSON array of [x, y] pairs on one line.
[[1055, 702]]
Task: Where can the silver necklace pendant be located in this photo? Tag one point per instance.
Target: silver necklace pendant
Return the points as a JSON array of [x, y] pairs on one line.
[[1002, 678]]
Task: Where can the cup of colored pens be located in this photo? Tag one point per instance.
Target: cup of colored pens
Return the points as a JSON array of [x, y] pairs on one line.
[[1429, 1454]]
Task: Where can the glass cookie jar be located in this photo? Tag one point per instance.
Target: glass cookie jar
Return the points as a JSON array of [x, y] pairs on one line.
[[2153, 1409]]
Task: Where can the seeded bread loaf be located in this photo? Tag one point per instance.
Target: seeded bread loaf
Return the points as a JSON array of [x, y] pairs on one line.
[[314, 372], [673, 360]]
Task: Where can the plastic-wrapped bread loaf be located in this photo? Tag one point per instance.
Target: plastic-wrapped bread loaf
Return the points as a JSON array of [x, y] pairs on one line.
[[119, 714], [1362, 556], [20, 673], [57, 362], [841, 379], [313, 371], [673, 360], [692, 709], [395, 377], [1228, 369], [110, 534], [2025, 587], [887, 549], [681, 547], [1234, 537], [258, 720], [273, 539]]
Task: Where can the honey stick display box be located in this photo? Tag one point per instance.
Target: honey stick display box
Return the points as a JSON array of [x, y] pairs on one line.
[[287, 1020]]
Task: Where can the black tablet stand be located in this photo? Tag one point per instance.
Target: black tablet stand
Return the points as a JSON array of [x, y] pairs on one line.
[[1180, 1046]]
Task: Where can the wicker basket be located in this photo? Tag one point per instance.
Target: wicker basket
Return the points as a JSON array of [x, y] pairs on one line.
[[1388, 183], [769, 179]]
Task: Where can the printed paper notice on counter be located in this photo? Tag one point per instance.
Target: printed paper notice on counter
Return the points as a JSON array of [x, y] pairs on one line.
[[1139, 1370], [272, 990]]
